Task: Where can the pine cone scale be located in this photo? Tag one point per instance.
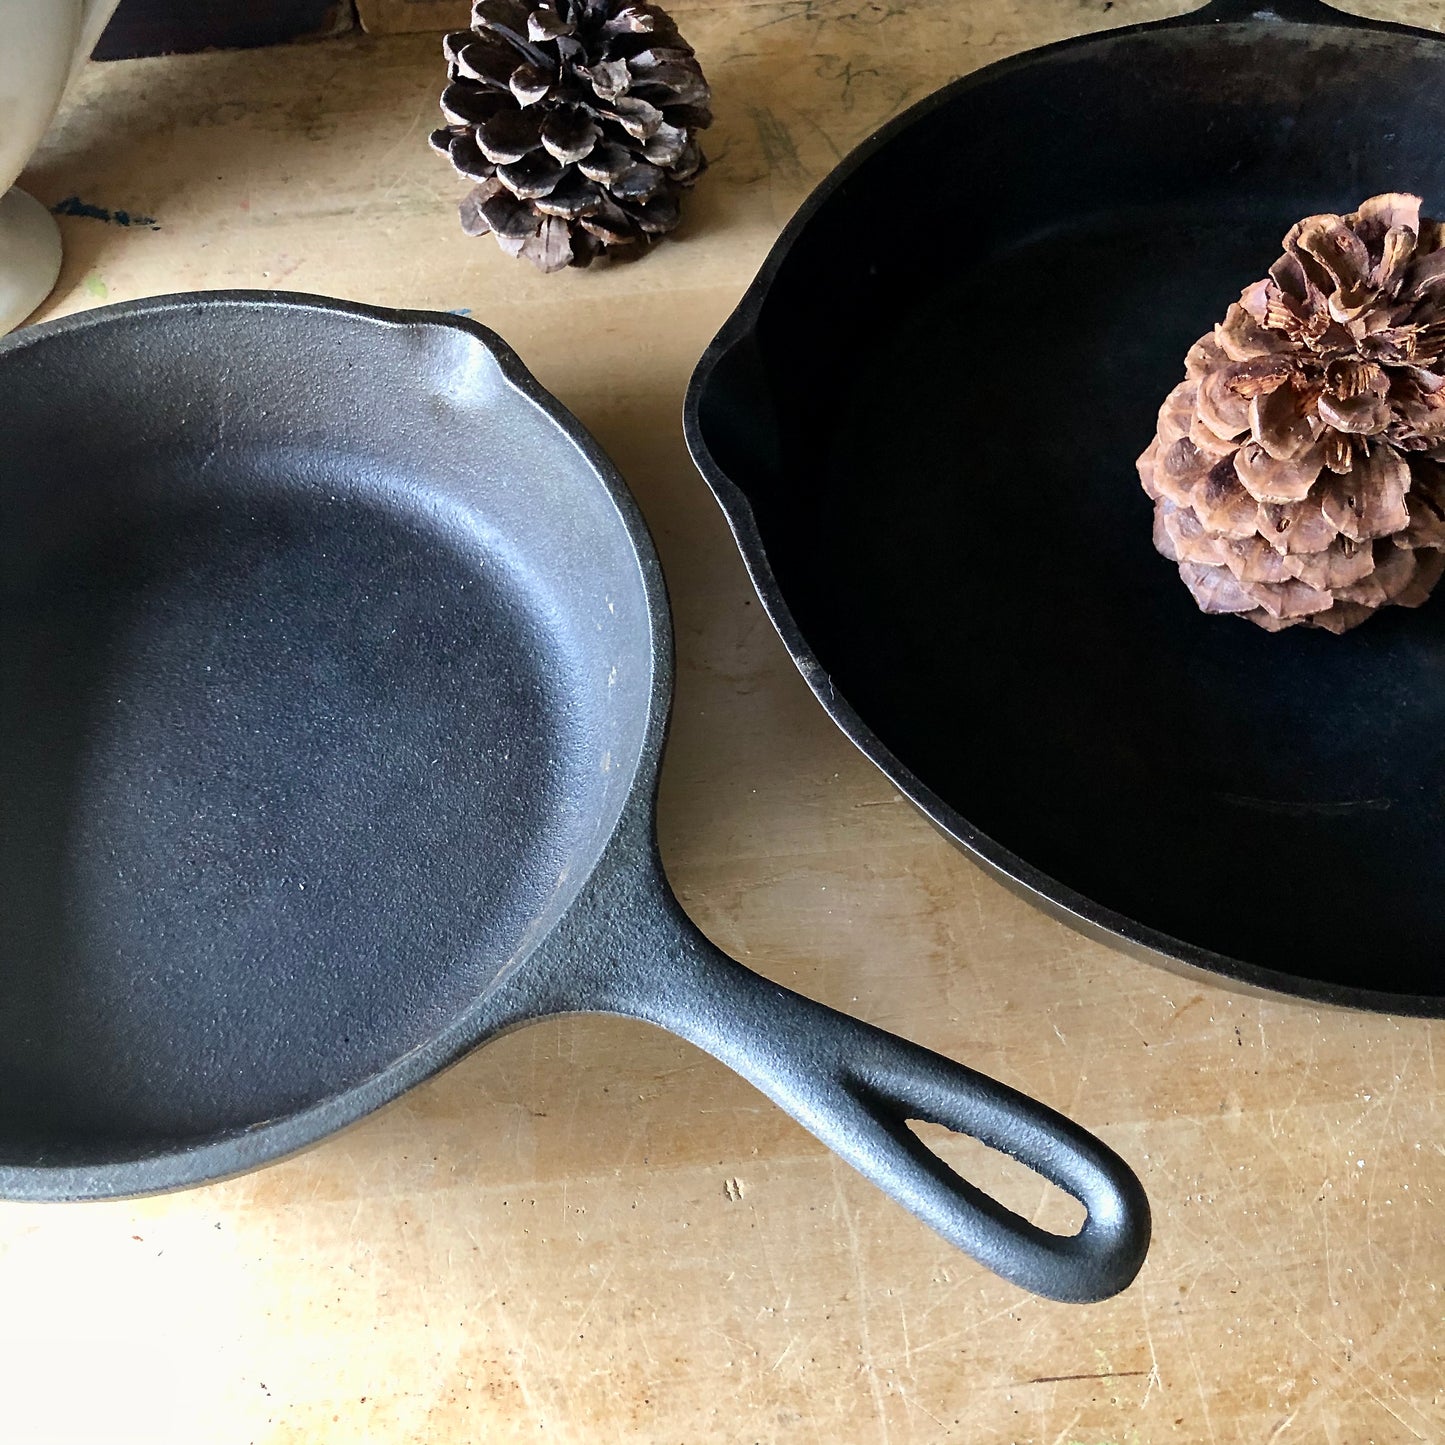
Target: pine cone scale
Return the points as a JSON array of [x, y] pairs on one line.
[[544, 25], [571, 199], [509, 135], [1216, 589], [1340, 565], [1268, 479], [569, 136], [608, 224], [666, 147], [473, 216], [464, 107], [1278, 424], [468, 159], [508, 217]]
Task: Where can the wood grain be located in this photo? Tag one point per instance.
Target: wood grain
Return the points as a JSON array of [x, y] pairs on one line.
[[588, 1231]]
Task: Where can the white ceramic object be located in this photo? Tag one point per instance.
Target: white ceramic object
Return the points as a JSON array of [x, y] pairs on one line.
[[42, 44]]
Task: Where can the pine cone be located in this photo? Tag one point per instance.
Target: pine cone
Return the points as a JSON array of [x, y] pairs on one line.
[[1296, 474], [579, 121]]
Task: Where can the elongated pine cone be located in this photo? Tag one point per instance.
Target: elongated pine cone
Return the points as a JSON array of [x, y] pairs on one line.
[[578, 120], [1296, 474]]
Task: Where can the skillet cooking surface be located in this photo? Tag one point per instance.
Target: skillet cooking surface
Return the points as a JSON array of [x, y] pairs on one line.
[[299, 745], [256, 799], [941, 475]]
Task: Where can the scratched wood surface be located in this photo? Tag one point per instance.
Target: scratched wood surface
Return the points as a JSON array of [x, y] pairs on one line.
[[589, 1231]]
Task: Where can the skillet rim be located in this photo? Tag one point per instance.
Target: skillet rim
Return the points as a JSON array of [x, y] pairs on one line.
[[530, 986], [1049, 894]]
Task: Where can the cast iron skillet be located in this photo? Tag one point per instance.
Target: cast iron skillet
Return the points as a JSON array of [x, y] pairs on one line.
[[334, 670], [922, 422]]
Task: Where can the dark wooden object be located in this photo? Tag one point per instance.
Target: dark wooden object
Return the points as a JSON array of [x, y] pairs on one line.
[[169, 27]]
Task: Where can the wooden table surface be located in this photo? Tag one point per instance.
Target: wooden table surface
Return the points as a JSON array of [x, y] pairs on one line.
[[589, 1231]]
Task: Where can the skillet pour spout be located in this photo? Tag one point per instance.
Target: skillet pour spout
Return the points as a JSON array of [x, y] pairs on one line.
[[934, 490], [335, 663]]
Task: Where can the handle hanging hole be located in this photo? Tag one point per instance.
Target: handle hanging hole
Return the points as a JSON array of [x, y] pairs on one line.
[[1013, 1184]]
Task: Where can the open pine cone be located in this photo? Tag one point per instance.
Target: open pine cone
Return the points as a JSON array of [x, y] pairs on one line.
[[1296, 474], [578, 119]]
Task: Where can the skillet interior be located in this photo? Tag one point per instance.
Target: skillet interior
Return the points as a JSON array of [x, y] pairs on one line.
[[936, 427], [325, 668]]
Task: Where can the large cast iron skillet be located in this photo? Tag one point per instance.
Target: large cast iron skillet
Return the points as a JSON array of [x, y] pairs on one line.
[[922, 422], [334, 671]]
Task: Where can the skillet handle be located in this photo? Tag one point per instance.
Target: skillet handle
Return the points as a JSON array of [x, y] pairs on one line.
[[855, 1087]]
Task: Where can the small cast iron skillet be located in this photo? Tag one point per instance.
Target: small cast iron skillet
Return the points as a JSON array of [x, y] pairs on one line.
[[334, 671], [923, 435]]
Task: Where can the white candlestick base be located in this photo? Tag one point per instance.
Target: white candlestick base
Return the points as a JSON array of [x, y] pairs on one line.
[[29, 257]]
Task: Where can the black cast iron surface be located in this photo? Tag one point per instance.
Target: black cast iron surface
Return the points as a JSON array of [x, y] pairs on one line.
[[930, 471], [334, 672]]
